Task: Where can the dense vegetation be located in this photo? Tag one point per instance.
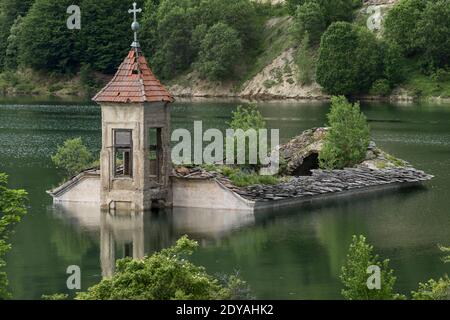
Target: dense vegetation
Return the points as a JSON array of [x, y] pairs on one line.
[[73, 157], [354, 277], [175, 33], [346, 142], [165, 275], [228, 40], [12, 209]]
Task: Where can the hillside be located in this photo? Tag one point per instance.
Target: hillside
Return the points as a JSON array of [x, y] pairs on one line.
[[266, 68]]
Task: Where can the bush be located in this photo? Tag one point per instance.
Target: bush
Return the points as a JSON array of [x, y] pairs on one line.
[[349, 59], [165, 275], [354, 273], [381, 87], [309, 18], [433, 290], [12, 209], [244, 179], [347, 141], [220, 52], [72, 157]]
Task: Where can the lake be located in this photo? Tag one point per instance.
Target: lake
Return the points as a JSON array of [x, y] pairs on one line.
[[294, 253]]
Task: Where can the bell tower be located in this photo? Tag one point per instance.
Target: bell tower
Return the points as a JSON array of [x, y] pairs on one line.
[[135, 157]]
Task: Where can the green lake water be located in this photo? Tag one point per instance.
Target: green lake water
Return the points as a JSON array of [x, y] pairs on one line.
[[293, 253]]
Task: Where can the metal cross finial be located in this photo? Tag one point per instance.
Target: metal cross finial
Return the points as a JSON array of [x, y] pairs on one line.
[[135, 25]]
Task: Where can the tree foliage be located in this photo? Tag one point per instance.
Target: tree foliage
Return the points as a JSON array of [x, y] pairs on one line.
[[72, 157], [246, 118], [182, 25], [12, 209], [336, 10], [433, 290], [355, 278], [12, 49], [348, 137], [434, 33], [401, 24], [9, 11], [349, 59], [105, 36], [165, 275], [354, 273], [45, 41], [421, 28], [309, 18], [220, 52]]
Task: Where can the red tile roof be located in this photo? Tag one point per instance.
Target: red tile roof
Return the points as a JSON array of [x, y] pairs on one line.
[[134, 82]]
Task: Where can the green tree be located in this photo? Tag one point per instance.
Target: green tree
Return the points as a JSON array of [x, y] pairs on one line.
[[220, 52], [12, 209], [246, 118], [401, 25], [12, 49], [309, 18], [292, 5], [434, 33], [241, 15], [336, 10], [348, 138], [45, 42], [176, 21], [72, 157], [354, 274], [165, 275], [105, 35], [9, 11], [349, 59]]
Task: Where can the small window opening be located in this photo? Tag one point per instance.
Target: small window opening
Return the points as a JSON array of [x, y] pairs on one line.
[[128, 250], [123, 147], [155, 154]]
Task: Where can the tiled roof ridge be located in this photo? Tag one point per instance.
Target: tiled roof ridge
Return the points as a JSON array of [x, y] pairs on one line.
[[134, 82]]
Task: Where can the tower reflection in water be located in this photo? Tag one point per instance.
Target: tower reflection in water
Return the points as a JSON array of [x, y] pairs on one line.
[[138, 234]]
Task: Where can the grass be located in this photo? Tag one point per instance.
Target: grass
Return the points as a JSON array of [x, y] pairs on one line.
[[424, 86], [276, 38], [242, 179]]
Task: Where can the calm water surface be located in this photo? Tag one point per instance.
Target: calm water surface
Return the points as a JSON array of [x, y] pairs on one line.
[[290, 254]]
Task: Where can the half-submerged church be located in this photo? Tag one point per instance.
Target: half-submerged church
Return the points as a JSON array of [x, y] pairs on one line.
[[136, 172], [135, 157]]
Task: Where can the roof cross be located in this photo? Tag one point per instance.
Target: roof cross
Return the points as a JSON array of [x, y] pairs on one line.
[[135, 25]]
